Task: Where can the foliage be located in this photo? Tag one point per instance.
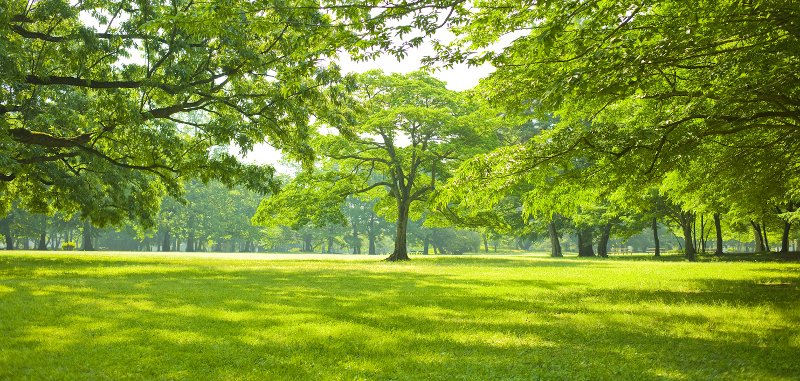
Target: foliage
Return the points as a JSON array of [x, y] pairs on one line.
[[645, 93], [414, 133], [107, 105], [68, 246]]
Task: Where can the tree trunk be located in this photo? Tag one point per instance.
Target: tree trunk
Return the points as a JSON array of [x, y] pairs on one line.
[[400, 252], [702, 234], [485, 243], [87, 236], [687, 222], [42, 242], [356, 240], [655, 237], [602, 245], [718, 228], [787, 227], [555, 246], [5, 230], [425, 244], [372, 234], [585, 244], [167, 241], [9, 242], [190, 241], [307, 243], [759, 243], [330, 244], [764, 231]]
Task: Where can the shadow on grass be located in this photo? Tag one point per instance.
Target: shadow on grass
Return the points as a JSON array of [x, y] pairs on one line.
[[94, 319]]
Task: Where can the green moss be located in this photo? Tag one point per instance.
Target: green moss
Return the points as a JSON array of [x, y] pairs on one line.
[[121, 316]]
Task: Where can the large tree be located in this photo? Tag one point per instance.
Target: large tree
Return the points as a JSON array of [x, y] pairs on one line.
[[414, 133], [103, 104], [642, 89]]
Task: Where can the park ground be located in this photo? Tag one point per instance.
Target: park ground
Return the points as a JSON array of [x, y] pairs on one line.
[[104, 315]]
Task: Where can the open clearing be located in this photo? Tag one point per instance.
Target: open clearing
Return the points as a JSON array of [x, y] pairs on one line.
[[252, 316]]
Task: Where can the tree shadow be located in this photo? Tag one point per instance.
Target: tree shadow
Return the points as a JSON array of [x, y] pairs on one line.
[[296, 320]]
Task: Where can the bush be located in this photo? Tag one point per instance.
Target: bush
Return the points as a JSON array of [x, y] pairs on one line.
[[68, 246]]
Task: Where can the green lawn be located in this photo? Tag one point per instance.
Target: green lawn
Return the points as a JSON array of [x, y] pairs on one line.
[[123, 316]]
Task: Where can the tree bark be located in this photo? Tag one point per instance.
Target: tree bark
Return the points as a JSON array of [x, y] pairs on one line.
[[702, 234], [87, 236], [485, 243], [718, 228], [190, 241], [602, 245], [372, 234], [759, 244], [585, 244], [42, 242], [307, 243], [425, 244], [687, 220], [356, 240], [400, 252], [764, 231], [655, 237], [555, 246], [5, 230], [787, 227], [165, 246]]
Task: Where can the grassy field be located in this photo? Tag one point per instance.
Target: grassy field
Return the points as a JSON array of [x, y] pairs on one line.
[[128, 316]]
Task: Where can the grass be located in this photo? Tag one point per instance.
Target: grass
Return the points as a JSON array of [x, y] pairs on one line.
[[129, 316]]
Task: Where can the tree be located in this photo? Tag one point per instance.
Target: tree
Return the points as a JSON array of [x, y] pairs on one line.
[[415, 132], [115, 101], [641, 90]]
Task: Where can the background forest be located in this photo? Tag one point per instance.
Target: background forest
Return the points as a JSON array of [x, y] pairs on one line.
[[646, 125]]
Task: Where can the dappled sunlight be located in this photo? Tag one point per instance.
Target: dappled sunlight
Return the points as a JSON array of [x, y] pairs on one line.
[[431, 318]]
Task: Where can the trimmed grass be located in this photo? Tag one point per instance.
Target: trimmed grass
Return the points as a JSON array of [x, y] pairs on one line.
[[129, 316]]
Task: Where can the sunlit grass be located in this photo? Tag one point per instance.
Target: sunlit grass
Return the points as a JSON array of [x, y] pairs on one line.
[[126, 316]]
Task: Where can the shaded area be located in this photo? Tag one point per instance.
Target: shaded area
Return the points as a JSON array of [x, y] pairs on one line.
[[443, 318]]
